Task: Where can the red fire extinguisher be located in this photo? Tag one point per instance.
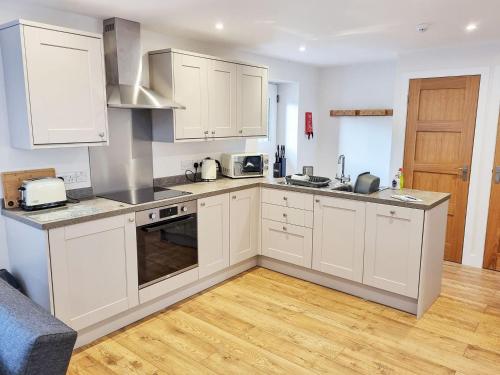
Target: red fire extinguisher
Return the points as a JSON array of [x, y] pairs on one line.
[[309, 125]]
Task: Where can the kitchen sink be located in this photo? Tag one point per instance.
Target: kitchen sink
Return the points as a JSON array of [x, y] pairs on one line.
[[341, 187]]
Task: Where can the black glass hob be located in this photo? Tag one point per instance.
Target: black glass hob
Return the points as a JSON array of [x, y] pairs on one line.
[[143, 195]]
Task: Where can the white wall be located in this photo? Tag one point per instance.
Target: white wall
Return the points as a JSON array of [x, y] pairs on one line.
[[288, 124], [483, 60], [365, 141], [167, 156]]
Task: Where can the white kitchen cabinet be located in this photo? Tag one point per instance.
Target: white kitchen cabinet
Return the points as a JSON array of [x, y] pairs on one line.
[[285, 198], [190, 74], [288, 243], [252, 101], [94, 270], [339, 231], [393, 246], [213, 234], [55, 85], [222, 99], [244, 224]]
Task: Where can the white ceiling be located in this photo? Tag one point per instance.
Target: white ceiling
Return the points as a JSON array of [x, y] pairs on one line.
[[333, 31]]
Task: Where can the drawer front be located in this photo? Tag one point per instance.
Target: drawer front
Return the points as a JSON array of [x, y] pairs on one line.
[[287, 215], [288, 243], [290, 199]]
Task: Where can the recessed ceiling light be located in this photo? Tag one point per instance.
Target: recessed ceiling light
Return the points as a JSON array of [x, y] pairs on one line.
[[471, 27], [302, 48], [219, 26]]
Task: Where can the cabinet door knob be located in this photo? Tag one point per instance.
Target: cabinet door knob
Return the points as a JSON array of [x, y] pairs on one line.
[[317, 200], [213, 132], [101, 134], [234, 196], [284, 228], [284, 214], [202, 204], [285, 198], [206, 131], [241, 132], [131, 219], [392, 212]]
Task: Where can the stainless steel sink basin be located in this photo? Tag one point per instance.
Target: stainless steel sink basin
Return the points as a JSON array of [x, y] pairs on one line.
[[342, 187]]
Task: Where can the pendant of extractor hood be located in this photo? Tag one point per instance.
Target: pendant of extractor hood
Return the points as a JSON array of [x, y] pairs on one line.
[[123, 58]]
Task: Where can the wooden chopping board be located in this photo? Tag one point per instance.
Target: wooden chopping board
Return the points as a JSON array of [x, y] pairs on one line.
[[11, 181]]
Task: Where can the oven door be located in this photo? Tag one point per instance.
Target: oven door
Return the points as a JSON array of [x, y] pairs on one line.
[[166, 249]]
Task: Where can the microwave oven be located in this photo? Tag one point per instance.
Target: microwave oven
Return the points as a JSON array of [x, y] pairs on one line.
[[244, 165]]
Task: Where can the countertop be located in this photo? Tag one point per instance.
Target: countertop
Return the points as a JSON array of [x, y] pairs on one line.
[[98, 208]]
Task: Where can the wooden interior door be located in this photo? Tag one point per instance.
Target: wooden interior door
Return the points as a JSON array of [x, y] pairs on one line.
[[438, 146], [492, 244]]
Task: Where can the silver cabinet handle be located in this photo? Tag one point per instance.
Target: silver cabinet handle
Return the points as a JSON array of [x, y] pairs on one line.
[[241, 132], [285, 198], [317, 200], [234, 196], [131, 219], [284, 214], [206, 131], [284, 228], [392, 212], [101, 134], [202, 204], [213, 132]]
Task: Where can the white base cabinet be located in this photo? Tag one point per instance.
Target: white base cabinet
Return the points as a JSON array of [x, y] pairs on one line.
[[94, 270], [213, 234], [393, 248], [339, 231], [288, 243], [244, 224]]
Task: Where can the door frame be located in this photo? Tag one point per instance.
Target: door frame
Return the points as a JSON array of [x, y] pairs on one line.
[[483, 149]]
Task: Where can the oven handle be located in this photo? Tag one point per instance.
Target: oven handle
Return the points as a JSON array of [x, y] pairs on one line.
[[153, 228]]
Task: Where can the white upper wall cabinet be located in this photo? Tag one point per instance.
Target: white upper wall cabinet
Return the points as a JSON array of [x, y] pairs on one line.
[[222, 99], [252, 101], [55, 86]]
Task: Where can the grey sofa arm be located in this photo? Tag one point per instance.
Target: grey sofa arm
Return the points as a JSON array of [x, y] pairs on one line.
[[32, 341]]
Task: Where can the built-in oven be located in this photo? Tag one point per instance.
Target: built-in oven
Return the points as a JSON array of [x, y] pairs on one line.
[[167, 242]]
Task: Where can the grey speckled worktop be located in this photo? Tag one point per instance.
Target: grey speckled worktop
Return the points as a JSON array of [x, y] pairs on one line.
[[98, 208]]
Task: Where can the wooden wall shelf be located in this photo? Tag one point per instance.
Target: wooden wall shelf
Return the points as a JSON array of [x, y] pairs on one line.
[[360, 112]]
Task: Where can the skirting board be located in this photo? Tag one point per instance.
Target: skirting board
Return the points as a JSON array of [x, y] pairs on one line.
[[116, 322], [350, 287]]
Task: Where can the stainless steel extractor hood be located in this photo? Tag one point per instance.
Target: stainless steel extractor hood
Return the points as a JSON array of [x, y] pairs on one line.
[[123, 58]]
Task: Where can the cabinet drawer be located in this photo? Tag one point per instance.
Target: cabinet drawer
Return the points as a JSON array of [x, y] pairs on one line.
[[288, 243], [287, 215], [288, 199]]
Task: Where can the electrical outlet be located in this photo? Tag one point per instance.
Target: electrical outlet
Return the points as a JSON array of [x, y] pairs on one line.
[[77, 177], [188, 164]]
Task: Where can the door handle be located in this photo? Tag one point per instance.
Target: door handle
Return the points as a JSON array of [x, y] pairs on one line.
[[464, 172], [497, 174]]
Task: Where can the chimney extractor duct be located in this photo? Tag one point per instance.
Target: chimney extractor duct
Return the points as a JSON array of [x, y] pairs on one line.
[[123, 58]]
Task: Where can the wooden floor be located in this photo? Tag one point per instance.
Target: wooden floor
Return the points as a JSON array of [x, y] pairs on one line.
[[269, 323]]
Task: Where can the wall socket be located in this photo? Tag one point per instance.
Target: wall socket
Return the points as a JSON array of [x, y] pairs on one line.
[[188, 164], [77, 177]]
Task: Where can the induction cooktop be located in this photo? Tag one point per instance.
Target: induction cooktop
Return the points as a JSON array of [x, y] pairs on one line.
[[143, 195]]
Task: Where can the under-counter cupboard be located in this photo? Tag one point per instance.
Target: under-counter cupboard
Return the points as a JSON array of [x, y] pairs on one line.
[[86, 273], [222, 98], [56, 86]]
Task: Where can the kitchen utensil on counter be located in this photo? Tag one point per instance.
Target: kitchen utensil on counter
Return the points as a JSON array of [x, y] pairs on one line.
[[11, 181], [39, 193], [308, 170], [367, 183], [209, 169]]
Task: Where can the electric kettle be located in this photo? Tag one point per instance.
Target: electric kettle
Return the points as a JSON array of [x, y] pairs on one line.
[[209, 169]]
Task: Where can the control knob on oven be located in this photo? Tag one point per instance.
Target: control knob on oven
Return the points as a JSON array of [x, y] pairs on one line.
[[152, 216], [184, 209]]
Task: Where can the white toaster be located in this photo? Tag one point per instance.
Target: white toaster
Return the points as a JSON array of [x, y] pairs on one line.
[[41, 193]]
